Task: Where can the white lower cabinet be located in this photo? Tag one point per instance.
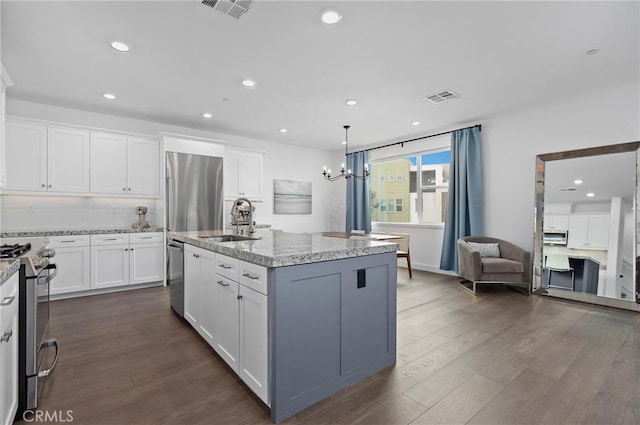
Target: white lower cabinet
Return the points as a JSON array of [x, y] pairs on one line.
[[146, 262], [106, 261], [72, 260], [9, 350], [227, 337], [109, 266], [199, 291], [231, 316], [254, 343]]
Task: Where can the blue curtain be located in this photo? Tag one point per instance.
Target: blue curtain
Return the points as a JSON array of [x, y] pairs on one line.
[[464, 211], [358, 207]]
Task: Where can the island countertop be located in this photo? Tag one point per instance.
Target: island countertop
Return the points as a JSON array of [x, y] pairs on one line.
[[8, 268], [279, 249]]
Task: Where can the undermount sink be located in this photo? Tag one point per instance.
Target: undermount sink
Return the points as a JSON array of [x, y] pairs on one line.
[[228, 238]]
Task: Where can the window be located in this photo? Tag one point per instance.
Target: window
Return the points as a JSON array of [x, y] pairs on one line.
[[412, 189]]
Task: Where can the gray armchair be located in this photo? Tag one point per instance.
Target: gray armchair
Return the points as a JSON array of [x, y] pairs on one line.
[[512, 267]]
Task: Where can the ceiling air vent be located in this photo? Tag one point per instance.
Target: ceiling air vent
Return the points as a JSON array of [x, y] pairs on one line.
[[234, 8], [442, 96]]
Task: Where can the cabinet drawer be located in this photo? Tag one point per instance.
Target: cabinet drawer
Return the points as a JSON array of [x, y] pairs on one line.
[[9, 298], [253, 276], [110, 239], [68, 241], [145, 237], [227, 267]]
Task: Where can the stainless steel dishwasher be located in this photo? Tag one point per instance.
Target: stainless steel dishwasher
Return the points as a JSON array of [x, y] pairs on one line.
[[175, 275]]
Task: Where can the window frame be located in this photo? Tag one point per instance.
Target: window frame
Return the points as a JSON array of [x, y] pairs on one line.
[[420, 188]]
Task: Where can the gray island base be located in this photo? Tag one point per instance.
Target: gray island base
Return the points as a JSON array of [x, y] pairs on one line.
[[332, 324], [331, 310]]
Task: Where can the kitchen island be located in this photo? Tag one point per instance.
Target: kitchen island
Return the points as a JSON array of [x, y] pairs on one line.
[[316, 314]]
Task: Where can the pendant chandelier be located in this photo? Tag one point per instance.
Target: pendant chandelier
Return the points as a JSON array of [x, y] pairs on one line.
[[347, 174]]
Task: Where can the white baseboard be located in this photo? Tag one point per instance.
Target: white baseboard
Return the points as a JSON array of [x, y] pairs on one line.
[[429, 268], [103, 291]]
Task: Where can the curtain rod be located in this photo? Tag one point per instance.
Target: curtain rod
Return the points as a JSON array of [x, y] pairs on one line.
[[417, 138]]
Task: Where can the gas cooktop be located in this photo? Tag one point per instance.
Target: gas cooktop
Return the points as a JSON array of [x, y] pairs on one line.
[[14, 251]]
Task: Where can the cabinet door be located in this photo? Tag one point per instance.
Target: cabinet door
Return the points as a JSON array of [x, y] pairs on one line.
[[68, 160], [108, 163], [143, 172], [146, 263], [578, 231], [250, 175], [73, 266], [3, 161], [556, 222], [230, 172], [192, 303], [254, 356], [599, 231], [9, 364], [226, 325], [208, 297], [109, 266], [26, 151]]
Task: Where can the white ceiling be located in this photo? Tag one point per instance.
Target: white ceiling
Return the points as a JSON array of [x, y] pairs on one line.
[[186, 58], [606, 176]]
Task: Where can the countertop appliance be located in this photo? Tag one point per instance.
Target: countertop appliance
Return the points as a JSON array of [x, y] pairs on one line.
[[556, 237], [194, 202], [35, 275]]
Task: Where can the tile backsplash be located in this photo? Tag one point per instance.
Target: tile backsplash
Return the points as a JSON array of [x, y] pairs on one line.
[[60, 212]]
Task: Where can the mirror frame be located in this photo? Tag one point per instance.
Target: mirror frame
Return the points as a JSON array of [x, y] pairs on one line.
[[537, 287]]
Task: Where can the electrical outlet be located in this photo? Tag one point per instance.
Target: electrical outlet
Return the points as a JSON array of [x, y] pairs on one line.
[[29, 208]]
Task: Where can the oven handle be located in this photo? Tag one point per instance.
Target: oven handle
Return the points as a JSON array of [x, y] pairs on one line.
[[50, 276], [48, 343]]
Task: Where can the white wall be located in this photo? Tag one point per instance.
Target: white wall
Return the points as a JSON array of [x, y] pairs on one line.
[[281, 161], [510, 144]]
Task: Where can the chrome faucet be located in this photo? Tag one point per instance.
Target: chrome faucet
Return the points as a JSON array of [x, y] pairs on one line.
[[241, 215]]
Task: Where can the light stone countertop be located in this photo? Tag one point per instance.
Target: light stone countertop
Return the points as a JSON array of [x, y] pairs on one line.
[[8, 268], [73, 232], [278, 249]]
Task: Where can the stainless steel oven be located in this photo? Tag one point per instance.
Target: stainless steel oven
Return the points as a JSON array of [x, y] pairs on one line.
[[36, 273]]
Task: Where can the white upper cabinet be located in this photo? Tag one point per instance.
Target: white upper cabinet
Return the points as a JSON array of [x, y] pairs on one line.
[[108, 163], [143, 166], [121, 164], [26, 152], [242, 174], [46, 159], [588, 231], [68, 160], [556, 222], [4, 82]]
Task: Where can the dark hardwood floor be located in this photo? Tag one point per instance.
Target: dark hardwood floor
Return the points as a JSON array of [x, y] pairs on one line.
[[496, 358]]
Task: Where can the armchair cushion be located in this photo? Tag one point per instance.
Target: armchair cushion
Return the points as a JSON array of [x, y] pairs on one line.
[[486, 249], [501, 265]]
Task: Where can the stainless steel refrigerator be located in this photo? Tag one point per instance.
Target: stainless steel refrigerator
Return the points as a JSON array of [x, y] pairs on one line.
[[194, 202]]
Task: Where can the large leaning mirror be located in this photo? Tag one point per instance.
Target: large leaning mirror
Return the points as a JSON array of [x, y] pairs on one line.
[[587, 226]]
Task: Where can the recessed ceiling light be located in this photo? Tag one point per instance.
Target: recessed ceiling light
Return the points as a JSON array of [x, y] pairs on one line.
[[591, 194], [331, 17], [207, 115], [577, 181], [283, 130], [591, 52], [416, 123], [248, 83], [351, 102], [119, 46], [109, 96]]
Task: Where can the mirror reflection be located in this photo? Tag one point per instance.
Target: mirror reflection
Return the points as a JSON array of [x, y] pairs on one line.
[[589, 225]]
